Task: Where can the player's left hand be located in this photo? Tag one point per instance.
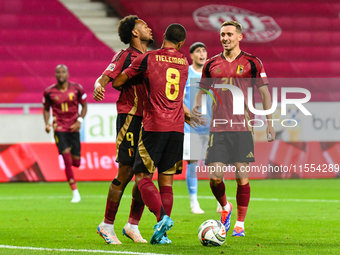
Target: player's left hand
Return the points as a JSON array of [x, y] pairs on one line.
[[75, 126], [193, 120], [270, 133]]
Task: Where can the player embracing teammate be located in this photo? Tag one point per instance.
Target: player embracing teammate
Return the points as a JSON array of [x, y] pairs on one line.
[[160, 145], [138, 35], [163, 74]]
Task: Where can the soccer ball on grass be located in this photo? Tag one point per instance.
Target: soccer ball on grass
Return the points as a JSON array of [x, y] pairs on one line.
[[212, 233]]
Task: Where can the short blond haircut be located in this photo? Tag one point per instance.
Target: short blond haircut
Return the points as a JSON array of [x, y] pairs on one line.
[[237, 25]]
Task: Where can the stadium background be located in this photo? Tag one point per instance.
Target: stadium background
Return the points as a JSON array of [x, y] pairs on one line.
[[296, 40]]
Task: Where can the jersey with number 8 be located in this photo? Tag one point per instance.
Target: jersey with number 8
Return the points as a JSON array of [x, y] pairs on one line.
[[165, 72]]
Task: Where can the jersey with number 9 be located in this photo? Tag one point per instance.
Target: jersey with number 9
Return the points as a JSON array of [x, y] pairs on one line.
[[165, 72]]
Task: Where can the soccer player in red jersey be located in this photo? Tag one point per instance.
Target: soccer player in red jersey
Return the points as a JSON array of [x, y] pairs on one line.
[[130, 111], [64, 97], [160, 145], [231, 139]]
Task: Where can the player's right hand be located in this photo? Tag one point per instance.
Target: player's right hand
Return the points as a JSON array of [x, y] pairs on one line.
[[98, 93], [195, 111], [48, 128]]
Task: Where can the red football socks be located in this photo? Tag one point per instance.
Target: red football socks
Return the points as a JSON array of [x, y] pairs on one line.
[[68, 170], [76, 162], [136, 212], [110, 211], [219, 193], [167, 198], [151, 197], [242, 199]]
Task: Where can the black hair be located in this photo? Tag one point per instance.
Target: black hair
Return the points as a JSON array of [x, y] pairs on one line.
[[175, 33], [196, 45], [125, 27]]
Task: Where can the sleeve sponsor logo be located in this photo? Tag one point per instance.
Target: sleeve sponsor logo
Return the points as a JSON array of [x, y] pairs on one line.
[[263, 75], [111, 67], [84, 96], [257, 28]]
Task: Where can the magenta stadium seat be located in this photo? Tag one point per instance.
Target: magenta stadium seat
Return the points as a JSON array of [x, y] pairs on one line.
[[36, 36], [306, 33]]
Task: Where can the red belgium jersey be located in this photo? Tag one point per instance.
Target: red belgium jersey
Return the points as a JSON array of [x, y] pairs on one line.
[[129, 101], [244, 72], [165, 72], [64, 104]]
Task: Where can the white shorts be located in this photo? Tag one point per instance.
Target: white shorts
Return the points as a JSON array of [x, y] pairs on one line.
[[195, 146]]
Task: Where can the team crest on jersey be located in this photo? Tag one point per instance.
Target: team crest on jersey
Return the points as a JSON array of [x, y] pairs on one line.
[[257, 28], [239, 69], [56, 98], [111, 67], [71, 96]]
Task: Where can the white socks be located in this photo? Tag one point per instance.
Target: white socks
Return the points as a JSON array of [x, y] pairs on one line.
[[75, 192], [193, 201], [239, 224], [108, 227], [76, 196], [132, 227], [226, 207]]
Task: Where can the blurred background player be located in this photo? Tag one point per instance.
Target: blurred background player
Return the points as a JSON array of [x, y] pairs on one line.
[[195, 139], [64, 97], [233, 144], [165, 72], [135, 32]]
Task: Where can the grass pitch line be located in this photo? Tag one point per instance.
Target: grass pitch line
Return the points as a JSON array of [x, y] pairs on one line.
[[278, 199], [75, 250]]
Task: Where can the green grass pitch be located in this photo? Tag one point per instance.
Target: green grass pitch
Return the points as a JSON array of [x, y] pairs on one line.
[[284, 217]]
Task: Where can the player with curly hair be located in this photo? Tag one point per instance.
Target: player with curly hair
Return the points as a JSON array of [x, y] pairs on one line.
[[138, 35]]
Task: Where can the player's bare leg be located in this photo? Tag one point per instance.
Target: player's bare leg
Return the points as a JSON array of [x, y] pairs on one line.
[[242, 197], [218, 189], [130, 229], [116, 190]]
